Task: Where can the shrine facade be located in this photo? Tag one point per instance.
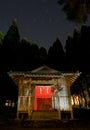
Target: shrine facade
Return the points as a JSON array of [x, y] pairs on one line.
[[43, 90]]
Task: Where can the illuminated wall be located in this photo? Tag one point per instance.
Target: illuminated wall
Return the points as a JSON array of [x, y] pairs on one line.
[[64, 98], [24, 96], [61, 100]]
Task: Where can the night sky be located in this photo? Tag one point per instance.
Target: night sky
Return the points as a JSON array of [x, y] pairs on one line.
[[41, 21]]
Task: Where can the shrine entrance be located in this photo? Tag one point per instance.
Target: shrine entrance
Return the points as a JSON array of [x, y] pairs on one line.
[[43, 98], [44, 104]]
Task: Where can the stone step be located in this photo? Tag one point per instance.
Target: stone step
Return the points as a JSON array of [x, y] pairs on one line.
[[45, 115]]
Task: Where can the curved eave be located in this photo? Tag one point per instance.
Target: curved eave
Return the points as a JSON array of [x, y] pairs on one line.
[[71, 78], [57, 75]]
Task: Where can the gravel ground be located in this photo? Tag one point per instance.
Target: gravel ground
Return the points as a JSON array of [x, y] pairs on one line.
[[47, 125], [18, 128]]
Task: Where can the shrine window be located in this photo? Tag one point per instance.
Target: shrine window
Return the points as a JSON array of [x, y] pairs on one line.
[[9, 103]]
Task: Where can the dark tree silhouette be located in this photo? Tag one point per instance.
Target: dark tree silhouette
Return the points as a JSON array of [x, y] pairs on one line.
[[56, 56], [20, 55], [43, 55], [72, 51], [76, 49], [85, 49], [25, 54], [35, 56], [10, 47], [69, 52], [1, 56], [8, 91], [29, 55]]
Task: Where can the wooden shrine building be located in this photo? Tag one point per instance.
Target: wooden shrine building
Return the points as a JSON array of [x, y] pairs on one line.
[[44, 90]]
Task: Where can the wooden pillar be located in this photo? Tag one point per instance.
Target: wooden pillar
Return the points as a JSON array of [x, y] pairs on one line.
[[19, 92], [29, 101], [70, 102], [29, 108], [18, 107], [59, 111], [18, 103], [17, 116]]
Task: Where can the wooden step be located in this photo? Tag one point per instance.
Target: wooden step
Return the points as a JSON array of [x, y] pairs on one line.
[[45, 115]]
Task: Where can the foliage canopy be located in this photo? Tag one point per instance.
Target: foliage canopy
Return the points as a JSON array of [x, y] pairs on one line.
[[76, 10]]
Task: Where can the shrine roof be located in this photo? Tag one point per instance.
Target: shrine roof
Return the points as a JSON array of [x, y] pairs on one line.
[[45, 71]]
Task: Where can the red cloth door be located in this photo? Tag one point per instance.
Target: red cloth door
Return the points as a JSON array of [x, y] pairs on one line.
[[43, 99], [44, 104]]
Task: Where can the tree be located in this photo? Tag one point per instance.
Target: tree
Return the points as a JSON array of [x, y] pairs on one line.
[[84, 48], [1, 51], [81, 87], [76, 10], [10, 46], [35, 55], [12, 37], [69, 52], [56, 56], [25, 54], [72, 49], [1, 38], [43, 55]]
